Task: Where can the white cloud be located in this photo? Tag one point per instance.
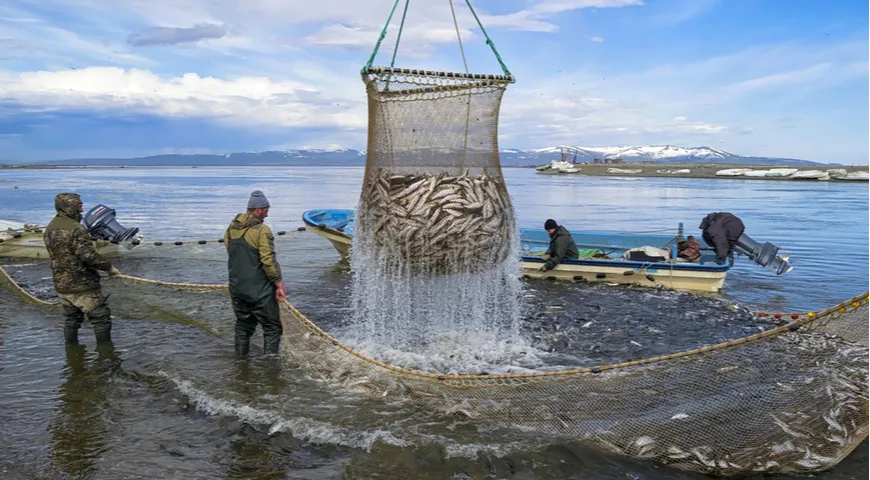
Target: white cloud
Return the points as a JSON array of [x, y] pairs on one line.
[[338, 22], [596, 39], [247, 101]]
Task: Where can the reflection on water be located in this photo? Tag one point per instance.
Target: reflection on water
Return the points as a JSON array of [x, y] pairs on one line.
[[173, 401], [78, 430]]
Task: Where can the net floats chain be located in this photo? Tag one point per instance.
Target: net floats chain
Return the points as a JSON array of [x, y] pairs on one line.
[[438, 224]]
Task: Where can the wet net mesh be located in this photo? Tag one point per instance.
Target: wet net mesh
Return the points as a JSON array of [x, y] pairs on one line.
[[433, 198], [790, 399]]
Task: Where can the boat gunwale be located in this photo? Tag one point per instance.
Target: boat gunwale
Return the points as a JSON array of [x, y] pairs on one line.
[[307, 218]]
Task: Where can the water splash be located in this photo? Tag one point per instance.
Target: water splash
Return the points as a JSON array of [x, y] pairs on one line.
[[465, 321]]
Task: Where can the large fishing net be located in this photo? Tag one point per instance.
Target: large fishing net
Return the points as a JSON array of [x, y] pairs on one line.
[[433, 198], [434, 220], [790, 399]]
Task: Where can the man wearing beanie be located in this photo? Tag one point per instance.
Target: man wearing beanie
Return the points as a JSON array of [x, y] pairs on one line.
[[562, 245], [255, 281]]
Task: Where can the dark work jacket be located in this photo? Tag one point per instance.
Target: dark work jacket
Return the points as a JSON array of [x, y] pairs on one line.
[[253, 269], [721, 231], [562, 246]]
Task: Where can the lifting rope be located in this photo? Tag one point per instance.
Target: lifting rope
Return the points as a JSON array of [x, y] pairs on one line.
[[365, 70]]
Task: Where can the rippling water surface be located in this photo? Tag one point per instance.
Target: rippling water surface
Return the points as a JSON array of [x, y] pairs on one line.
[[172, 401]]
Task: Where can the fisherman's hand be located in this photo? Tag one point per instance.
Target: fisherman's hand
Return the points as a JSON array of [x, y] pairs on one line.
[[280, 295], [544, 268], [114, 272], [545, 257]]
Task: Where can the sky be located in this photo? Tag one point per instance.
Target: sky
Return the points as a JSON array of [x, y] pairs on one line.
[[127, 78]]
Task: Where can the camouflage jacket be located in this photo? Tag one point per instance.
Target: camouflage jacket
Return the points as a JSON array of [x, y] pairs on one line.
[[74, 261]]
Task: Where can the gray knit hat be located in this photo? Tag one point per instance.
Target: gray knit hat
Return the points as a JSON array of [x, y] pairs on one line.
[[258, 200]]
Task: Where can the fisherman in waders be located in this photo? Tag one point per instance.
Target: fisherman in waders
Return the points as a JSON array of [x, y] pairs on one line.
[[74, 267], [256, 285]]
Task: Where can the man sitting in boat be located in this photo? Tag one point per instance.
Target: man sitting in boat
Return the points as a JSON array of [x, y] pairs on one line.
[[562, 245], [721, 231]]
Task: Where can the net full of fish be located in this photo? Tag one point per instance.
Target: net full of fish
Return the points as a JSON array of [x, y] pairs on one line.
[[438, 223]]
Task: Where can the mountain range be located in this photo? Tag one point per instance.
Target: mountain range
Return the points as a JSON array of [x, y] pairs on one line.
[[508, 157]]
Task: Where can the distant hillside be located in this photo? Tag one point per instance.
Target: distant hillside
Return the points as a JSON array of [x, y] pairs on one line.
[[509, 157], [650, 153]]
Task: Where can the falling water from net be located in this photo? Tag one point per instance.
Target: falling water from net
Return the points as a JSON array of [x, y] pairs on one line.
[[434, 256]]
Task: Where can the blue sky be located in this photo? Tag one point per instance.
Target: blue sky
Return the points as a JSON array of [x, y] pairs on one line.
[[121, 78]]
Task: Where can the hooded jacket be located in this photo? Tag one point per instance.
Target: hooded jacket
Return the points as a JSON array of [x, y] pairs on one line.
[[74, 260], [253, 266], [721, 231], [562, 246]]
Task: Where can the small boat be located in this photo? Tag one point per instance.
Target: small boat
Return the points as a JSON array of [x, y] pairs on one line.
[[603, 255], [333, 225], [20, 241], [23, 240]]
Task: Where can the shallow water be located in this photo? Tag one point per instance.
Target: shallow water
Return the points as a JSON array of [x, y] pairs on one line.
[[172, 401]]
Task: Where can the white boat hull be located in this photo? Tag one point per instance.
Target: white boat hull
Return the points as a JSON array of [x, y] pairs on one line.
[[651, 277], [31, 245], [684, 280]]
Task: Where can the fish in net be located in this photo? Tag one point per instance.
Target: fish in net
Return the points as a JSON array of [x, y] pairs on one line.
[[434, 198]]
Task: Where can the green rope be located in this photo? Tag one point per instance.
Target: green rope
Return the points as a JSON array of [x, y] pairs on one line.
[[368, 65], [399, 37], [488, 40]]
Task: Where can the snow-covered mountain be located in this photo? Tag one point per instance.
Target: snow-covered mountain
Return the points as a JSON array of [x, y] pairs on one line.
[[639, 153], [509, 157], [645, 153]]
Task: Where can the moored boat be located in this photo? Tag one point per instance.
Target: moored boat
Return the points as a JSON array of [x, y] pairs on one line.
[[27, 242], [602, 255], [22, 240]]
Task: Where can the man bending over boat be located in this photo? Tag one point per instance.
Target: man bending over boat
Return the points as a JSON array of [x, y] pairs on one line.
[[74, 268], [256, 284], [721, 231], [562, 245]]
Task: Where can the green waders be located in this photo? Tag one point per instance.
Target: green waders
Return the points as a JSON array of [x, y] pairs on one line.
[[253, 297]]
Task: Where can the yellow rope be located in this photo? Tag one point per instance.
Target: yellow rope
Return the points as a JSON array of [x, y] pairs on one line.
[[854, 303]]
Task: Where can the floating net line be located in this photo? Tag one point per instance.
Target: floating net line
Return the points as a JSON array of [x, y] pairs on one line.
[[790, 399]]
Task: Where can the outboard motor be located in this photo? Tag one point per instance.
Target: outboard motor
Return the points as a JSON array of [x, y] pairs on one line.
[[101, 224], [763, 254]]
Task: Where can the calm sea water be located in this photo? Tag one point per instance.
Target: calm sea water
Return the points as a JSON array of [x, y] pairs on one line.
[[823, 226], [172, 401]]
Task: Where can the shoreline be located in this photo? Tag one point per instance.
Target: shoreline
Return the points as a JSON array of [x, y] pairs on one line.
[[708, 171], [639, 170]]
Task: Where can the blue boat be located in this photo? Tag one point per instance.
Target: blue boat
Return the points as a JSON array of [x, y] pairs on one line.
[[602, 255]]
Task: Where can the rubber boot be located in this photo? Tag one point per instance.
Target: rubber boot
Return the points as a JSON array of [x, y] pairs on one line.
[[103, 336], [245, 327], [243, 346], [101, 319], [71, 335], [272, 328], [271, 343], [73, 320]]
